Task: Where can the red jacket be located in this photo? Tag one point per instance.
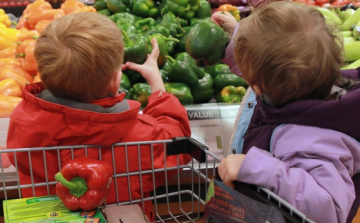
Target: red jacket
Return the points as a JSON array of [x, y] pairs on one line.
[[38, 123]]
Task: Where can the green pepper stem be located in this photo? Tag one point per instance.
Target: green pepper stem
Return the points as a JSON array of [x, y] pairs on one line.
[[59, 177], [171, 39], [77, 185], [172, 60], [127, 40], [182, 30]]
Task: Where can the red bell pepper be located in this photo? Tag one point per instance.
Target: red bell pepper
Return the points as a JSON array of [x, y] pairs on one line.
[[84, 183]]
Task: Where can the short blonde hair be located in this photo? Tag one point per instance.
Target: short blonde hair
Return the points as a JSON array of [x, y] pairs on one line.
[[78, 56], [289, 52]]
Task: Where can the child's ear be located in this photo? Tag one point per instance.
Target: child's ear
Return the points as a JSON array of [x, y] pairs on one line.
[[257, 90], [115, 83]]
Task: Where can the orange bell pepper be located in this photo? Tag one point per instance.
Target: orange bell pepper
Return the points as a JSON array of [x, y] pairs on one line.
[[23, 23], [36, 16], [8, 73], [233, 10], [22, 46], [8, 61], [59, 13], [26, 56], [9, 87], [31, 68], [8, 104], [37, 5], [23, 29], [8, 52], [85, 9], [70, 6], [41, 25], [17, 69], [30, 34], [37, 79]]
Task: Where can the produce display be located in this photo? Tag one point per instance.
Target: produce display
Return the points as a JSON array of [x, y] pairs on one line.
[[348, 22], [17, 43], [184, 34]]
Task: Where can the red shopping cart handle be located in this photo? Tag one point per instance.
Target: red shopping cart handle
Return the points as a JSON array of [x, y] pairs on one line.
[[181, 145]]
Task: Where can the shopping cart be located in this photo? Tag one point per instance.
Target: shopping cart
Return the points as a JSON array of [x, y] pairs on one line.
[[180, 199]]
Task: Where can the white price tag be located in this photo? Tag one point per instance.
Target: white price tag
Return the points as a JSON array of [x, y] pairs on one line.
[[205, 124]]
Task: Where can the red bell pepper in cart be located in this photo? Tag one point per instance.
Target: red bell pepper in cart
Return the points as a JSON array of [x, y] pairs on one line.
[[84, 183]]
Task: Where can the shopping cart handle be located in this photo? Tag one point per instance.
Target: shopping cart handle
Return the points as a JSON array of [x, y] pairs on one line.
[[188, 145]]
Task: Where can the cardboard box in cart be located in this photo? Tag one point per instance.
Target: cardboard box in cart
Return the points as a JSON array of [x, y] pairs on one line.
[[46, 209]]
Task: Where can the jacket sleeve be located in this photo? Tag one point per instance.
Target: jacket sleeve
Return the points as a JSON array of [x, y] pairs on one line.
[[318, 189], [169, 113], [351, 73], [229, 55]]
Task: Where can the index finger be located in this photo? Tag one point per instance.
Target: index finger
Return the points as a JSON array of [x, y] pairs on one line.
[[155, 51]]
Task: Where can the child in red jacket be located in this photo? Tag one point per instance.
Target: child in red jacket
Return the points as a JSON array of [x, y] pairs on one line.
[[79, 61]]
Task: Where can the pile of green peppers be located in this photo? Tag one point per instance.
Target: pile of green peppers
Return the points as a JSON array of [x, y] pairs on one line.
[[190, 71]]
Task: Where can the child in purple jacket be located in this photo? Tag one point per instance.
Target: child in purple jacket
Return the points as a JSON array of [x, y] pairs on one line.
[[296, 141]]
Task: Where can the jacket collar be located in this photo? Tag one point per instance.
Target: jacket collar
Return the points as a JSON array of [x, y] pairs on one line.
[[31, 91]]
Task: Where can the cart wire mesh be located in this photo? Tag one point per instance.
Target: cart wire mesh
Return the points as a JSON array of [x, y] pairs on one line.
[[180, 198]]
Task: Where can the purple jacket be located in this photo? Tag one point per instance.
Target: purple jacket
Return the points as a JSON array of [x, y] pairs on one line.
[[324, 114], [309, 167]]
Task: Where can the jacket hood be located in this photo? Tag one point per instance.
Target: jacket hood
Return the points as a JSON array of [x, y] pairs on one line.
[[340, 115], [31, 91]]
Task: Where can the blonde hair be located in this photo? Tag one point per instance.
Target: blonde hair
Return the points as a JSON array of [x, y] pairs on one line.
[[289, 52], [78, 56]]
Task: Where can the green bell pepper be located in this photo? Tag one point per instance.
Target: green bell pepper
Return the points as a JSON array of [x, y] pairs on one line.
[[100, 5], [116, 6], [145, 25], [183, 22], [201, 41], [204, 10], [125, 82], [180, 47], [105, 12], [181, 91], [218, 69], [171, 46], [195, 21], [184, 8], [124, 17], [164, 75], [159, 29], [223, 80], [134, 76], [127, 28], [171, 22], [163, 46], [145, 8], [135, 48], [140, 92], [127, 93], [167, 66], [203, 91], [231, 94], [184, 70]]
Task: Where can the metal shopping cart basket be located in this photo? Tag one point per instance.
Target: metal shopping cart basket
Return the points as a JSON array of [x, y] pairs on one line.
[[181, 198]]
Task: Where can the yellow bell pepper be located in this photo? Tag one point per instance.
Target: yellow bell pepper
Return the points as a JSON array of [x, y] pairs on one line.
[[8, 37], [10, 87], [5, 43], [4, 18]]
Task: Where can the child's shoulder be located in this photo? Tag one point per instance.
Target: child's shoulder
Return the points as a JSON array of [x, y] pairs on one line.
[[292, 138]]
